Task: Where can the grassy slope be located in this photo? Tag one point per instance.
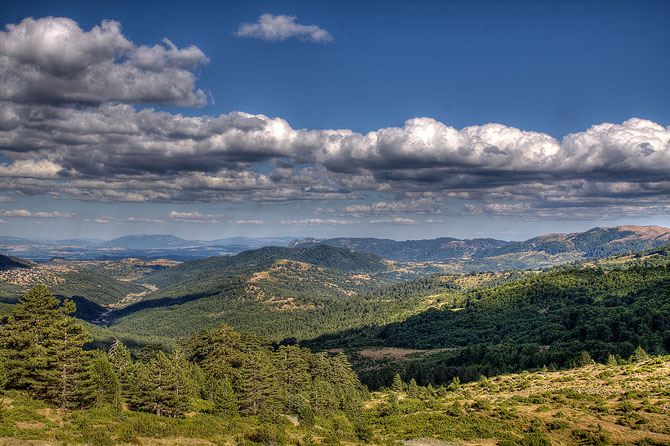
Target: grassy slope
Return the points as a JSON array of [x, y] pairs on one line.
[[625, 404], [597, 404]]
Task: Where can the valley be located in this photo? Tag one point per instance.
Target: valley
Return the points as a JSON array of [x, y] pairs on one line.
[[487, 351]]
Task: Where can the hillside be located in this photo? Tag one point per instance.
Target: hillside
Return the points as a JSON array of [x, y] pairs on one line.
[[491, 254], [326, 256], [148, 241], [7, 262], [66, 280], [543, 319], [283, 298]]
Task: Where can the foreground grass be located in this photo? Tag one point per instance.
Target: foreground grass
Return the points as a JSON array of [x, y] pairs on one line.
[[596, 405]]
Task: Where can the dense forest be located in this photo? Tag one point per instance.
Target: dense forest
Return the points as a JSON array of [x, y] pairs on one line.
[[555, 319]]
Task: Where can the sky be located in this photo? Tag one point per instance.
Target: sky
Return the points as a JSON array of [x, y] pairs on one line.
[[404, 120]]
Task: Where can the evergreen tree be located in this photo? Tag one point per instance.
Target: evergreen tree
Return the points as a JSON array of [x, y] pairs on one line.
[[639, 355], [65, 375], [611, 360], [258, 387], [413, 389], [397, 385], [43, 349], [225, 400], [107, 388], [585, 359], [119, 356], [158, 387], [24, 335]]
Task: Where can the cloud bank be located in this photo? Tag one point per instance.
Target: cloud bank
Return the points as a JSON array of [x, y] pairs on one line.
[[277, 28], [70, 134]]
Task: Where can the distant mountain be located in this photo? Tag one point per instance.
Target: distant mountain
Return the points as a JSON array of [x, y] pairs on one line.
[[250, 242], [149, 241], [489, 253], [439, 249]]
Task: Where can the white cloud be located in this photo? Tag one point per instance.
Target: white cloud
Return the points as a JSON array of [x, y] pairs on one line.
[[52, 60], [17, 213], [192, 217], [397, 220], [316, 221], [281, 27], [250, 222], [40, 214], [132, 220]]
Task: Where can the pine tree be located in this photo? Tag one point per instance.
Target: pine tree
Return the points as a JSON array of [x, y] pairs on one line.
[[397, 385], [107, 388], [65, 375], [258, 387], [43, 349], [225, 400], [639, 355], [413, 389], [119, 356], [157, 386], [611, 360], [24, 335]]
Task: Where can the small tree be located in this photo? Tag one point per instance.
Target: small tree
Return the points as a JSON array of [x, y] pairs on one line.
[[639, 355], [611, 360], [397, 385], [413, 389], [585, 359]]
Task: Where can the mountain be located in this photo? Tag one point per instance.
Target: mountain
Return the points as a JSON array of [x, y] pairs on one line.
[[483, 254], [148, 241], [323, 255], [433, 250], [251, 242]]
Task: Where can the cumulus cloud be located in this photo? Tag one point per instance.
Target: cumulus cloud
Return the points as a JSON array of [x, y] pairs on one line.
[[52, 60], [423, 205], [133, 220], [192, 217], [316, 221], [250, 222], [396, 220], [277, 28], [106, 150], [39, 214]]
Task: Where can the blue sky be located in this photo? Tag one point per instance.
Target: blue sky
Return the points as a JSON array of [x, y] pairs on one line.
[[390, 119]]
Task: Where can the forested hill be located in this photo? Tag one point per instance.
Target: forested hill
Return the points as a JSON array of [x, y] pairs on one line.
[[323, 255], [492, 254], [547, 319], [7, 262]]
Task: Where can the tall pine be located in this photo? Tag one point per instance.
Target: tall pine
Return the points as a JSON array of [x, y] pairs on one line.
[[43, 349]]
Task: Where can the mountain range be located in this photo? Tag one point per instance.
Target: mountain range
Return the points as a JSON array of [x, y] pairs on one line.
[[483, 253]]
